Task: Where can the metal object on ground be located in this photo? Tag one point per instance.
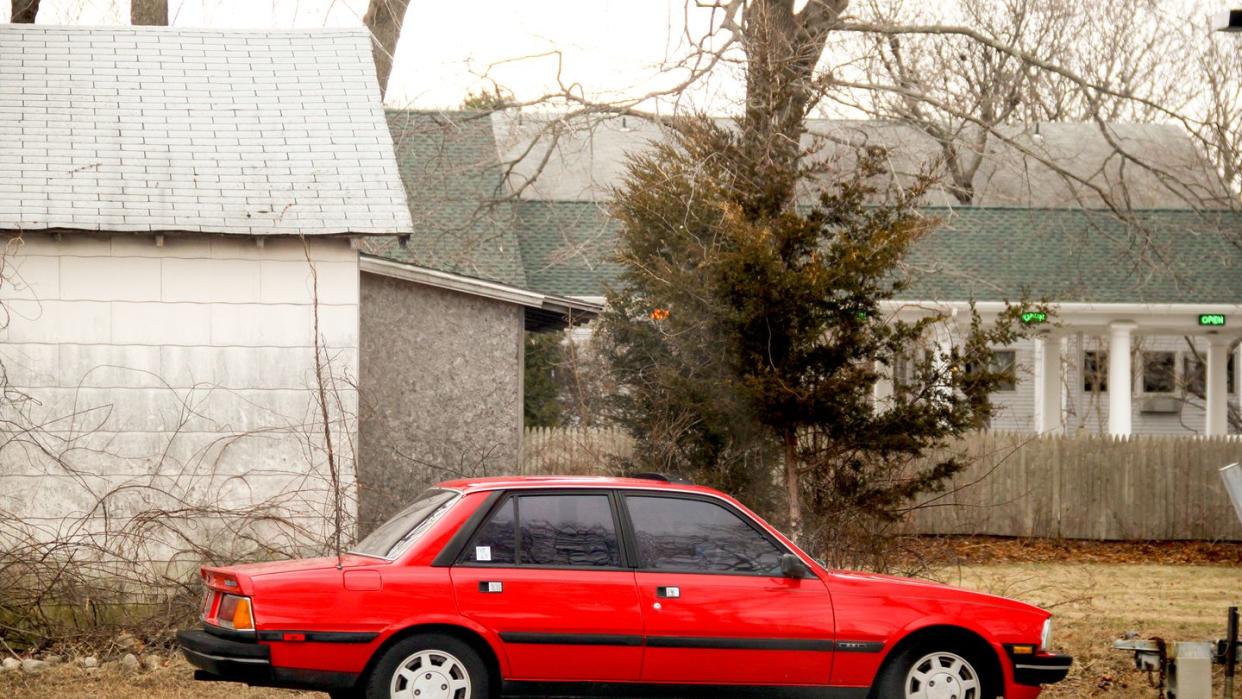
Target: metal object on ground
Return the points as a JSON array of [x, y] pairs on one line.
[[1229, 651], [1232, 476], [1185, 673]]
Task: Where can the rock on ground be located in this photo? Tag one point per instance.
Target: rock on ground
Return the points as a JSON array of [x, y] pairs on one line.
[[130, 663]]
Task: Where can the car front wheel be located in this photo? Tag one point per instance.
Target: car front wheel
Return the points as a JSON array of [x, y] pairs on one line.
[[924, 673], [431, 666]]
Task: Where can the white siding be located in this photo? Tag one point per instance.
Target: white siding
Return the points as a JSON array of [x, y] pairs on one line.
[[176, 376], [1087, 411]]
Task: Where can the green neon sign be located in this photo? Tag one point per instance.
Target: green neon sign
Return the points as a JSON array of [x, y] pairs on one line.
[[1034, 317], [1213, 320]]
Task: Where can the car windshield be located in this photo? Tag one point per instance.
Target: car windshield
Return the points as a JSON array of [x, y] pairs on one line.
[[393, 537]]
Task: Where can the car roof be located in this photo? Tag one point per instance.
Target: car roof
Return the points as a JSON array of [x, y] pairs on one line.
[[469, 485]]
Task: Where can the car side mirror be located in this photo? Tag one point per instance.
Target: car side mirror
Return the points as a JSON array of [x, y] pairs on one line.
[[793, 567]]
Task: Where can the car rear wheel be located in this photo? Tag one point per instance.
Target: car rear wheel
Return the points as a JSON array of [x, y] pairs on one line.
[[925, 673], [430, 667]]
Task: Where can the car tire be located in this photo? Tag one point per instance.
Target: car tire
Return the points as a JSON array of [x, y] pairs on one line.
[[917, 670], [437, 666]]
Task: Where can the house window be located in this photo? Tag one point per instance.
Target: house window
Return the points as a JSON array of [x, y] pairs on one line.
[[1195, 372], [1094, 371], [1006, 361], [1159, 372]]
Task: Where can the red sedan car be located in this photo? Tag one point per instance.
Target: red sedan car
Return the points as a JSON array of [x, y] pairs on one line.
[[558, 586]]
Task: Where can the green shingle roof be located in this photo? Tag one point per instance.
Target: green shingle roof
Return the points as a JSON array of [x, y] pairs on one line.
[[567, 247], [463, 222], [467, 222], [980, 254], [1076, 255]]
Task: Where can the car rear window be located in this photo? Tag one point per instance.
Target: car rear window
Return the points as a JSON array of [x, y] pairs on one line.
[[393, 538]]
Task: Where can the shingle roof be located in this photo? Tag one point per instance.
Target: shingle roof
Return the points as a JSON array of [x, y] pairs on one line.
[[567, 247], [1019, 247], [463, 222], [979, 254], [1077, 255], [159, 129]]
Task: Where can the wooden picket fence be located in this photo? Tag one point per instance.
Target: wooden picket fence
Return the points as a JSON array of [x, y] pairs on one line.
[[573, 450], [1075, 487], [1088, 487]]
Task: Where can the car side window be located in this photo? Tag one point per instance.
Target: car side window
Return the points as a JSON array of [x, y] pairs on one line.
[[563, 531], [567, 530], [496, 540], [696, 536]]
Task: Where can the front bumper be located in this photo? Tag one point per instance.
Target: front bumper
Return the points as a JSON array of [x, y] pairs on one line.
[[1044, 668], [227, 660]]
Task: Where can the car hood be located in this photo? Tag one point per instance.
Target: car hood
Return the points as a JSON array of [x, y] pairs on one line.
[[928, 589]]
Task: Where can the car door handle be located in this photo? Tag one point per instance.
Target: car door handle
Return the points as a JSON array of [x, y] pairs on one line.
[[668, 592], [493, 587]]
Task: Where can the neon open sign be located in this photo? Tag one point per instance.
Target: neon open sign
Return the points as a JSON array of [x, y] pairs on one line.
[[1215, 320], [1034, 317]]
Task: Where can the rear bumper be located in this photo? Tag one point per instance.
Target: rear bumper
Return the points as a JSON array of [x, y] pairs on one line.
[[226, 660], [1034, 670]]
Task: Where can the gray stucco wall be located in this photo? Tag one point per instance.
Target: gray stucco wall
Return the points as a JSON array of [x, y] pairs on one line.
[[440, 391]]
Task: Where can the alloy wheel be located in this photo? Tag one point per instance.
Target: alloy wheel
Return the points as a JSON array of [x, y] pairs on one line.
[[431, 674], [942, 675]]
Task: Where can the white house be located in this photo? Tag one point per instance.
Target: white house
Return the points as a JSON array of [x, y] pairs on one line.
[[1124, 230], [197, 360], [181, 210]]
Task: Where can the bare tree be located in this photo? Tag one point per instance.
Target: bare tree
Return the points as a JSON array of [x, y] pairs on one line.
[[384, 18], [24, 11], [148, 12], [1216, 61], [959, 89]]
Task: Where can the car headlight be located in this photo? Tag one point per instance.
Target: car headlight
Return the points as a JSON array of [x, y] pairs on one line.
[[1045, 636]]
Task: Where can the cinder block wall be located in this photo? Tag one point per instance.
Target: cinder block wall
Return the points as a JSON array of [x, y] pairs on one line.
[[441, 391], [175, 379]]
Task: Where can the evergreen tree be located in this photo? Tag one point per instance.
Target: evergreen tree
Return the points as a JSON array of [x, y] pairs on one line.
[[747, 338]]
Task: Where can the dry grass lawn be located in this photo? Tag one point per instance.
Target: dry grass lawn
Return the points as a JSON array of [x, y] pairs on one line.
[[1094, 603]]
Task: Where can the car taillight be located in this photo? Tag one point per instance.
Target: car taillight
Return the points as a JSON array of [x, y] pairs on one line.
[[234, 612]]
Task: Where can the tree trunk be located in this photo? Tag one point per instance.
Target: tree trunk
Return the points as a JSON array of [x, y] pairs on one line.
[[782, 49], [24, 11], [148, 13], [792, 489], [383, 19]]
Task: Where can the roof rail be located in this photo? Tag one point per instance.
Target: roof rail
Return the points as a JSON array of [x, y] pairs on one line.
[[652, 476]]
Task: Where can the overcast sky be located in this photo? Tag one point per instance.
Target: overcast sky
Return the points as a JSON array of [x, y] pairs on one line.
[[610, 47]]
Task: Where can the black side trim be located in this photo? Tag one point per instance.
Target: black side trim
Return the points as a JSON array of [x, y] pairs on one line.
[[1034, 670], [624, 689], [288, 678], [229, 634], [202, 643], [448, 555], [718, 642], [738, 643], [571, 639], [321, 636]]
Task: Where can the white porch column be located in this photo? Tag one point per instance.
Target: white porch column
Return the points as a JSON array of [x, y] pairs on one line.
[[1048, 371], [884, 386], [942, 345], [1216, 386], [1120, 374]]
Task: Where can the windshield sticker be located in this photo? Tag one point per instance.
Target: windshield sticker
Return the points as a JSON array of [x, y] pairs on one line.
[[482, 553]]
